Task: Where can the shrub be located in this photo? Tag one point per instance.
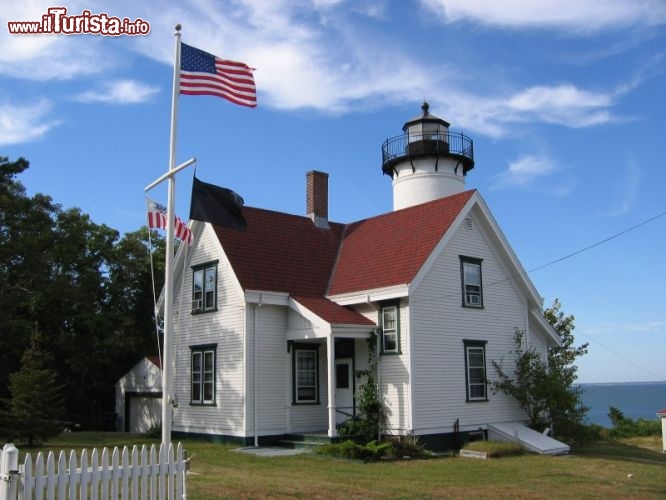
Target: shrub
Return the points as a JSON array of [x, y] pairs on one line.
[[576, 434], [369, 452], [627, 427], [406, 446], [155, 431]]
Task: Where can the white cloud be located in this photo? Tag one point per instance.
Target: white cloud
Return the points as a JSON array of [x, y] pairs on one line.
[[120, 92], [628, 190], [524, 171], [569, 15], [564, 104], [561, 104], [24, 123], [311, 54]]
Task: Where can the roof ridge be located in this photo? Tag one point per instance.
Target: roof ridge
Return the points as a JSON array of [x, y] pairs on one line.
[[338, 252]]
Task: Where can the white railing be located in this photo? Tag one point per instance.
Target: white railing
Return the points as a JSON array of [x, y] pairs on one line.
[[146, 473]]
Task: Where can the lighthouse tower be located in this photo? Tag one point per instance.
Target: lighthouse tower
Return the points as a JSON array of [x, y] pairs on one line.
[[427, 161]]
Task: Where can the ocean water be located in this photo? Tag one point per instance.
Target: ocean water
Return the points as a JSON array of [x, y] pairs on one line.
[[635, 400]]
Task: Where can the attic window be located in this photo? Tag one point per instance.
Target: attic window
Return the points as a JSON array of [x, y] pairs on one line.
[[472, 283], [468, 223], [204, 287]]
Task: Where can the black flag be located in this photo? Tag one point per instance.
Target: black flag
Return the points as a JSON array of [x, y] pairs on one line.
[[216, 205]]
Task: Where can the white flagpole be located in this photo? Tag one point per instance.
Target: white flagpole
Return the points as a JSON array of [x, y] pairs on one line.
[[167, 361]]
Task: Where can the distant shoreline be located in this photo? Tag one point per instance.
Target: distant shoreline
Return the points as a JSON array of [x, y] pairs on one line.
[[652, 382], [635, 400]]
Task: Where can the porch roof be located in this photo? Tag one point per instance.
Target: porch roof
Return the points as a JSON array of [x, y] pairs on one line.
[[333, 313]]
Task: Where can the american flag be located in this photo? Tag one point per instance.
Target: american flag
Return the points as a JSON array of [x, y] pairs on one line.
[[157, 219], [202, 73]]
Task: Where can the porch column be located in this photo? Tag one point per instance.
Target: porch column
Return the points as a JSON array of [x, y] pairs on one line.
[[330, 365]]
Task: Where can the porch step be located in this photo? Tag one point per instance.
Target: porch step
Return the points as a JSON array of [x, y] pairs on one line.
[[299, 441]]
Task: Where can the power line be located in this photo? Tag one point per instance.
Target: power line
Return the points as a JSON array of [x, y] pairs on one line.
[[657, 376], [606, 240]]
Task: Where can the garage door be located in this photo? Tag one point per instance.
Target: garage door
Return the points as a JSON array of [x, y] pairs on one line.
[[144, 412]]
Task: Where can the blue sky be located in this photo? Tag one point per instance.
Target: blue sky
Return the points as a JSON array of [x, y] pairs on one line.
[[565, 102]]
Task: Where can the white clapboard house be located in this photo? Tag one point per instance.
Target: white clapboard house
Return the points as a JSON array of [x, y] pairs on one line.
[[272, 323]]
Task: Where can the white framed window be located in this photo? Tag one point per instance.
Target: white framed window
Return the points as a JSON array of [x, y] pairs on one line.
[[472, 283], [475, 370], [390, 328], [202, 375], [204, 288], [306, 374]]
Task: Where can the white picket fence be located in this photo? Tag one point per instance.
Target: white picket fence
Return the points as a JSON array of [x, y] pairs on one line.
[[146, 473]]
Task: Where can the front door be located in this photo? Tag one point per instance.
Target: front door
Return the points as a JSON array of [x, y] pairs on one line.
[[344, 390]]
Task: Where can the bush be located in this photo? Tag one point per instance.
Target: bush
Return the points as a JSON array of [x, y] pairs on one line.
[[626, 427], [640, 427], [576, 434], [394, 447], [406, 446], [155, 431], [369, 452]]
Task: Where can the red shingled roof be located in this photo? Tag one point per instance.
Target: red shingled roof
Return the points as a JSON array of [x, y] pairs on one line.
[[155, 360], [288, 253], [281, 253], [390, 249]]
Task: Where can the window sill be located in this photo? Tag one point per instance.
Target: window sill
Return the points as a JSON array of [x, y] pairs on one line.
[[305, 403], [203, 404], [206, 311]]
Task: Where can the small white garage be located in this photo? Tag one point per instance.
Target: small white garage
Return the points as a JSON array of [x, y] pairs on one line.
[[139, 397]]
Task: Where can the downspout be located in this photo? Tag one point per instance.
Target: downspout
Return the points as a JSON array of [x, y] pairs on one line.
[[409, 331], [330, 367], [255, 417], [527, 323], [379, 379]]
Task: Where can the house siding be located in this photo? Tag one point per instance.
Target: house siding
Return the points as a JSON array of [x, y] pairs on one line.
[[224, 328], [271, 325], [537, 340], [395, 379], [440, 324], [310, 417]]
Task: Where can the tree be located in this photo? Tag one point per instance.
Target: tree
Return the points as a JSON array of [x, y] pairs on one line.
[[566, 407], [545, 386], [86, 291], [36, 401], [26, 239]]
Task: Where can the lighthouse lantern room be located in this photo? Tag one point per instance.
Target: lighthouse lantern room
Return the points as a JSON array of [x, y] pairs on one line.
[[427, 161]]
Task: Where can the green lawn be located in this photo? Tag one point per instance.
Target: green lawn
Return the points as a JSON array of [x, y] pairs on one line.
[[629, 469]]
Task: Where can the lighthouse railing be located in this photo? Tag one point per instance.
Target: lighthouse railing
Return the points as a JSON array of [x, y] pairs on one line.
[[454, 144]]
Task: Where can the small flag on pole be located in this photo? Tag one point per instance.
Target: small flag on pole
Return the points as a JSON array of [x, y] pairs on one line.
[[202, 73], [216, 205], [157, 219]]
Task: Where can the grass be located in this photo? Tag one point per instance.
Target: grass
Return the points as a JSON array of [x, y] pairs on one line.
[[496, 449], [633, 468]]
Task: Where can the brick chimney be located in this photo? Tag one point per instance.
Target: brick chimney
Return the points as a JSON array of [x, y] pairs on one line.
[[317, 197]]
